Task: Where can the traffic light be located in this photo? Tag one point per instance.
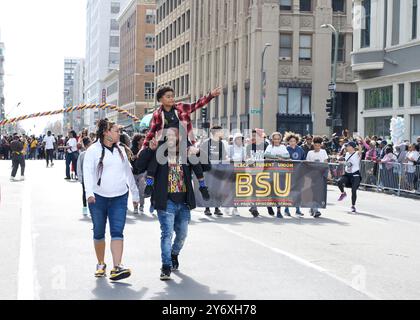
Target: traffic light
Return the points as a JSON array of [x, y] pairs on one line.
[[329, 108], [204, 114], [330, 112]]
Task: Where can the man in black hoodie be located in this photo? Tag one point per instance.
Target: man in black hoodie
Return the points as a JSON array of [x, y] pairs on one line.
[[172, 197], [18, 158]]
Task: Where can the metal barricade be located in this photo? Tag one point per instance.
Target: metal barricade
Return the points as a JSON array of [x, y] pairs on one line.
[[369, 171], [389, 177], [410, 178]]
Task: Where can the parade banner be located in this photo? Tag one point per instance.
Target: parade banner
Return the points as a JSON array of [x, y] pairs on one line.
[[81, 107], [266, 184]]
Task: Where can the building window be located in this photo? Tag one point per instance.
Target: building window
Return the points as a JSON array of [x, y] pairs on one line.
[[401, 95], [339, 5], [378, 98], [341, 48], [149, 90], [415, 94], [286, 5], [114, 41], [379, 126], [415, 127], [149, 67], [150, 41], [305, 47], [365, 27], [396, 22], [286, 46], [414, 20], [115, 7], [150, 16], [294, 101], [305, 5], [114, 25], [114, 58]]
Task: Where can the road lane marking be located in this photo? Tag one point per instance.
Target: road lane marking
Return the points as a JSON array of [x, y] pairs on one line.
[[297, 259], [26, 280]]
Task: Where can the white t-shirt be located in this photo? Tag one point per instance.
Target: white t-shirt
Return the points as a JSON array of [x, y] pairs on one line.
[[412, 155], [352, 162], [320, 156], [49, 142], [73, 144], [277, 150]]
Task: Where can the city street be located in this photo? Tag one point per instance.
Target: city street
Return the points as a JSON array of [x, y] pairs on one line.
[[47, 249]]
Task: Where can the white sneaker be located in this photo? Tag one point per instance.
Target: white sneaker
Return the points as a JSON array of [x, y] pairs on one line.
[[12, 179], [235, 212], [227, 211], [22, 178], [85, 211]]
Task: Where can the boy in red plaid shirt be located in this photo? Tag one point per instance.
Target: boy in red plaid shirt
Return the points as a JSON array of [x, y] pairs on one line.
[[172, 115]]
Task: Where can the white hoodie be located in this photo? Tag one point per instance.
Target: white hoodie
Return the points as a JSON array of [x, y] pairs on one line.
[[116, 178]]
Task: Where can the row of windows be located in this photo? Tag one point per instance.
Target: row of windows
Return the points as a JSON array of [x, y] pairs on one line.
[[180, 85], [305, 47], [166, 8], [307, 5], [174, 59], [382, 98], [176, 28]]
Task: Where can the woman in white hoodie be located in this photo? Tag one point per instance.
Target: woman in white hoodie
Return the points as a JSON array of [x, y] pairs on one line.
[[237, 153], [108, 177]]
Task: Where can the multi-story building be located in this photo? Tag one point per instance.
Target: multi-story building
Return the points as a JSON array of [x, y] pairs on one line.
[[173, 49], [386, 59], [137, 59], [79, 93], [2, 112], [111, 83], [70, 65], [102, 51], [228, 38]]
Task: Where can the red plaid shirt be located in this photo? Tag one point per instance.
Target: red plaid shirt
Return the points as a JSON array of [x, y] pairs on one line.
[[183, 111]]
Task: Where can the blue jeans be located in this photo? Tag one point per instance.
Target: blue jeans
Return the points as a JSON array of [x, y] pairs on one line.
[[115, 209], [175, 218], [71, 158]]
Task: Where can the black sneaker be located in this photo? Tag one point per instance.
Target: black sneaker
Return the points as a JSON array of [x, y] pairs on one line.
[[287, 212], [279, 215], [205, 193], [270, 211], [254, 212], [317, 214], [207, 212], [218, 213], [119, 273], [66, 178], [148, 191], [175, 262], [165, 273]]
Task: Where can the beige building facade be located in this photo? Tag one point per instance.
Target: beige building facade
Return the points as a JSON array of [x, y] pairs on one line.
[[227, 41], [173, 49], [136, 86]]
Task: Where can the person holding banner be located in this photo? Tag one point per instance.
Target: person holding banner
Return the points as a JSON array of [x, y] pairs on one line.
[[351, 178], [296, 154], [276, 150], [317, 155]]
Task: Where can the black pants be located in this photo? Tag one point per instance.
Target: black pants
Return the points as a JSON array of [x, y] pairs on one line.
[[84, 196], [49, 153], [350, 181], [18, 160]]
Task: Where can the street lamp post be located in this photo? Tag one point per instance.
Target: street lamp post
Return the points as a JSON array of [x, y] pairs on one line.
[[263, 80], [334, 71]]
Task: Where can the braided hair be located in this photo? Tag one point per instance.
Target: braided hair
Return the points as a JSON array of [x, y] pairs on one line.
[[103, 126]]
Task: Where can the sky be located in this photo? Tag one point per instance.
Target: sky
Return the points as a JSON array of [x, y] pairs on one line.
[[38, 35]]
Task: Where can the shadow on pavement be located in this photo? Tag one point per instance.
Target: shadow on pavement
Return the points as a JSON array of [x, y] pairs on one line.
[[189, 289], [116, 291]]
